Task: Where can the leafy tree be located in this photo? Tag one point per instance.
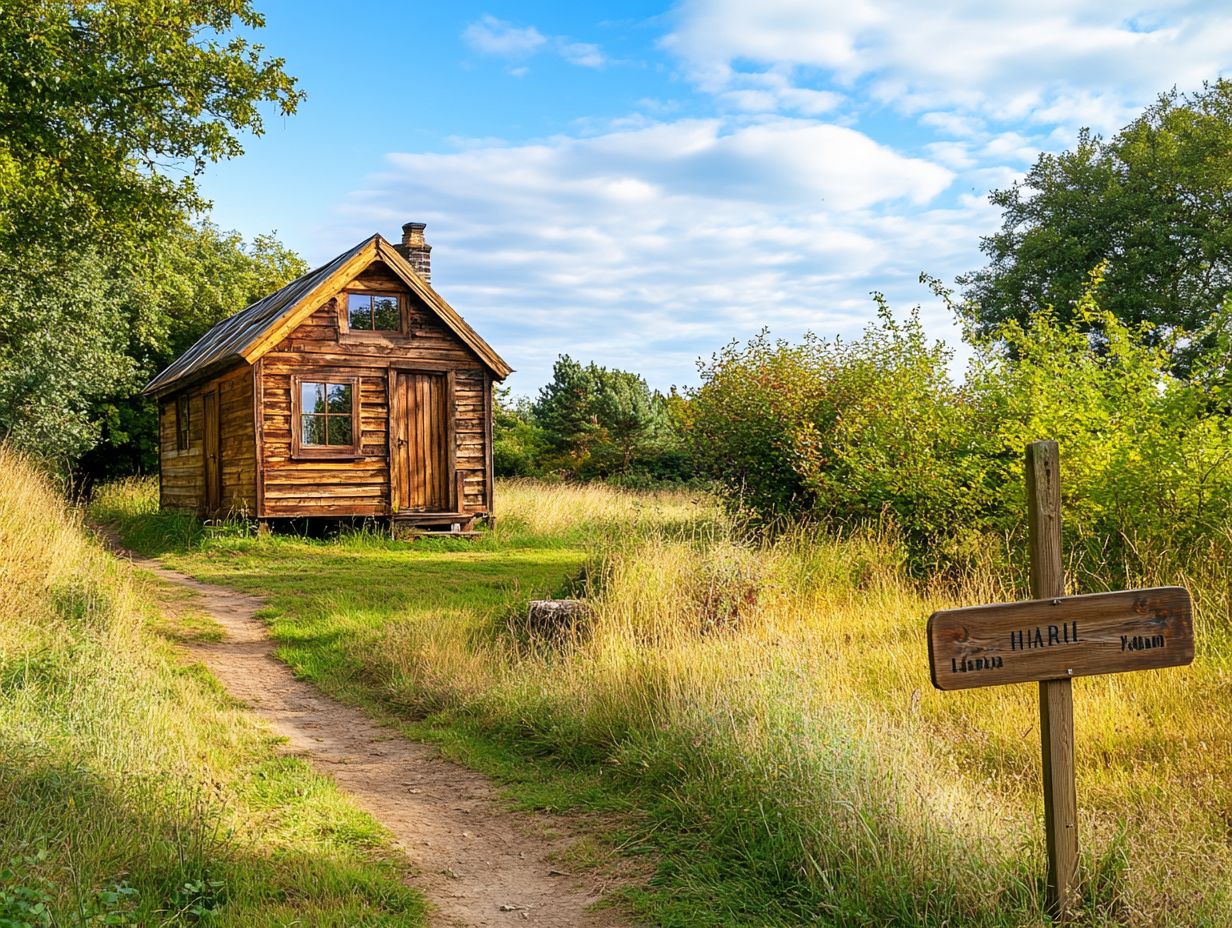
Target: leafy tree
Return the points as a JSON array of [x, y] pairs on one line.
[[629, 414], [745, 415], [110, 111], [1153, 204], [597, 421], [517, 440], [848, 433], [62, 343], [194, 277]]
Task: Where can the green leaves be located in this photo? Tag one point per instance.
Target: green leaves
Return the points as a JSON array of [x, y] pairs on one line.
[[596, 420], [110, 111], [1152, 205], [108, 114], [875, 431]]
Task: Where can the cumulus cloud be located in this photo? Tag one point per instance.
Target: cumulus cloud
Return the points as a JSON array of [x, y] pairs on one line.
[[1043, 61], [582, 54], [854, 146], [648, 247]]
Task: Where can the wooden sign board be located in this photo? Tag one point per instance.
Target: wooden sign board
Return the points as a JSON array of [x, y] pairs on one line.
[[1062, 638]]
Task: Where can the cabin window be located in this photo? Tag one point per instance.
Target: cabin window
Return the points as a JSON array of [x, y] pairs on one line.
[[374, 312], [181, 422], [326, 415]]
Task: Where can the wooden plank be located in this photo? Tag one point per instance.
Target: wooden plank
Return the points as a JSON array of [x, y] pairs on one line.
[[489, 468], [1056, 698], [451, 440], [396, 441], [275, 490], [1061, 638], [313, 507]]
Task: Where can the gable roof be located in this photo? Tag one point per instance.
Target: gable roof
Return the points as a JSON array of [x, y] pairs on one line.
[[259, 327]]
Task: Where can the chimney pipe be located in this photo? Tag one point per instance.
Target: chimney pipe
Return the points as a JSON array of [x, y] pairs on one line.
[[416, 250]]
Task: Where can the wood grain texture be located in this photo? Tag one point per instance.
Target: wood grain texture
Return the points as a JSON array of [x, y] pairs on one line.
[[238, 452], [421, 474], [1056, 697], [211, 457], [1061, 638]]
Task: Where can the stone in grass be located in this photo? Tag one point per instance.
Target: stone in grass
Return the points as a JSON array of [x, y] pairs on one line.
[[557, 619]]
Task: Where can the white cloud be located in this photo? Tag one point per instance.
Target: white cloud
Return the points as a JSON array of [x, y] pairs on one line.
[[491, 36], [582, 54], [649, 247], [855, 147], [1039, 61]]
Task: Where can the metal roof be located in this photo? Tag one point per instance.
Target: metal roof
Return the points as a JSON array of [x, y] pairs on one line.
[[226, 340], [229, 341]]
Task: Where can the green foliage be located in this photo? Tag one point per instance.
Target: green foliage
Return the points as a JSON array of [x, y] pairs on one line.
[[594, 421], [848, 432], [191, 278], [1146, 455], [1151, 202], [62, 343], [80, 334], [518, 442], [110, 111], [745, 418], [565, 410], [873, 430]]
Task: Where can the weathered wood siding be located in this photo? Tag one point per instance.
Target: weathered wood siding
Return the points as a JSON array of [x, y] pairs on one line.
[[360, 485], [182, 480], [239, 447]]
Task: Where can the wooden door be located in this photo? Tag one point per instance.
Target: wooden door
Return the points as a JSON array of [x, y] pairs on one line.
[[420, 475], [211, 456]]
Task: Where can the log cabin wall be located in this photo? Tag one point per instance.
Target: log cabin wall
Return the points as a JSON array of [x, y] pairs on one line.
[[323, 346], [183, 471], [181, 482], [239, 446]]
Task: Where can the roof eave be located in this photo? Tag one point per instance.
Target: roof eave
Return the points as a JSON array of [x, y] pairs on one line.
[[450, 316], [213, 369]]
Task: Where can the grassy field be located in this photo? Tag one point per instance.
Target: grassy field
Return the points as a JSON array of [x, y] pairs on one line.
[[759, 715], [132, 791]]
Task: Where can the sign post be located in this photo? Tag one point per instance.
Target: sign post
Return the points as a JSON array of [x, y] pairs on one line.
[[1052, 639], [1056, 697]]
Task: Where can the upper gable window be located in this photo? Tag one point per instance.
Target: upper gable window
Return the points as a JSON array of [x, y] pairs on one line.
[[374, 312]]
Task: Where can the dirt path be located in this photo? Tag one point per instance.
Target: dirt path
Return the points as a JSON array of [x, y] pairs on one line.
[[479, 863]]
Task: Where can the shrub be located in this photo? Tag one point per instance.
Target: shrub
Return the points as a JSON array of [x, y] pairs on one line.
[[876, 431]]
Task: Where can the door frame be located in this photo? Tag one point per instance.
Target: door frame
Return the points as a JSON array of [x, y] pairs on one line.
[[393, 395], [211, 452]]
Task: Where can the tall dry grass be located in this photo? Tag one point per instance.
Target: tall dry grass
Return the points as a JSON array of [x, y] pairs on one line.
[[775, 696]]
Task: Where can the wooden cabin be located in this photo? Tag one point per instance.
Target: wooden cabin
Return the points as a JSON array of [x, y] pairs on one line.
[[354, 391]]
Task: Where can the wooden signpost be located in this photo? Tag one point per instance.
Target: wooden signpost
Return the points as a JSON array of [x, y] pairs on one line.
[[1053, 639]]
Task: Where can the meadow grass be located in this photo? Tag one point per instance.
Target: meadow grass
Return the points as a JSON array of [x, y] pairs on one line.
[[132, 790], [759, 711]]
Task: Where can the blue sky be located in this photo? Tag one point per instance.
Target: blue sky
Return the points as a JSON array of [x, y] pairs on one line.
[[637, 184]]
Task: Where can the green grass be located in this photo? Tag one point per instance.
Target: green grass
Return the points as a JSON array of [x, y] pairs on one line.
[[754, 722], [133, 791]]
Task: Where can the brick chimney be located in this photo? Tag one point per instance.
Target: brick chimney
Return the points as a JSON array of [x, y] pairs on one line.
[[416, 250]]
